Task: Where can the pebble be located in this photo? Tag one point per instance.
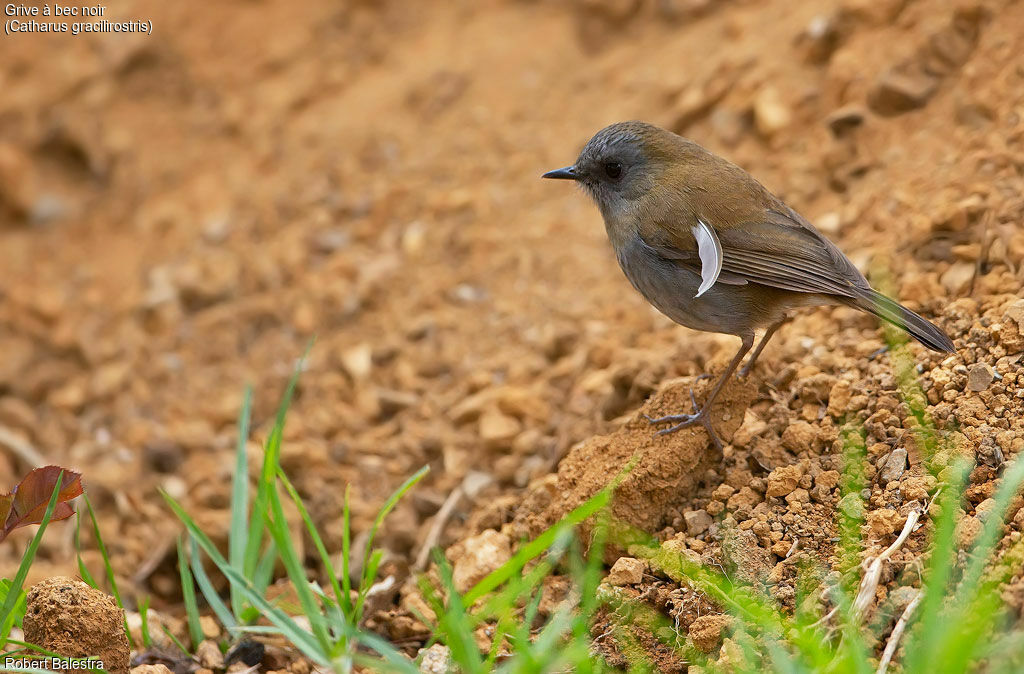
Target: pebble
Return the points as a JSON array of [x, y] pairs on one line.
[[477, 556], [957, 278], [979, 376], [435, 660], [706, 631], [897, 92], [798, 436], [784, 480], [771, 115], [209, 655], [893, 466], [697, 522], [626, 571], [498, 430]]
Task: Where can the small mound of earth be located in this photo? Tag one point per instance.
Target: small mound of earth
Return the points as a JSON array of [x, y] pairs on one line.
[[67, 616], [665, 468]]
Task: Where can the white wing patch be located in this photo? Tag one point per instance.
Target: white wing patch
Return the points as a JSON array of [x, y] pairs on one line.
[[710, 251]]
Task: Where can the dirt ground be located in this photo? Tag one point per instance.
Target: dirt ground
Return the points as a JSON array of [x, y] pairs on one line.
[[181, 213]]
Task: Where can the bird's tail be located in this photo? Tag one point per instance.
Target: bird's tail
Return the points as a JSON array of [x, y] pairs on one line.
[[920, 329]]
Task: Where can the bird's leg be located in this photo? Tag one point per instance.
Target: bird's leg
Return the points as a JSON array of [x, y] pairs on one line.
[[745, 370], [703, 415]]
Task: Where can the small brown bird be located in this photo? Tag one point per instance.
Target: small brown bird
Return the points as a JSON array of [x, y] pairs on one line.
[[713, 250]]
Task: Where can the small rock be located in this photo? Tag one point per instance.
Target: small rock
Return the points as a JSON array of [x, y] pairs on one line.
[[893, 466], [497, 429], [752, 427], [844, 120], [898, 92], [784, 480], [914, 488], [477, 556], [626, 571], [827, 479], [706, 631], [151, 669], [771, 115], [798, 436], [958, 277], [979, 376], [967, 530], [209, 655], [211, 630], [798, 496], [357, 361], [828, 223], [883, 522], [838, 399], [697, 522], [435, 660], [392, 402]]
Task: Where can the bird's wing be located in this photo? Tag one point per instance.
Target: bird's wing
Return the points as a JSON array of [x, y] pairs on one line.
[[778, 249]]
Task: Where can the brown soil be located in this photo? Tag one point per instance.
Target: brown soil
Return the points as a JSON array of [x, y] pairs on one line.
[[68, 617], [181, 213]]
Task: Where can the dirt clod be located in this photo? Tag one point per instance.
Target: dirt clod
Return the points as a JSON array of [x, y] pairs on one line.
[[69, 617], [707, 631]]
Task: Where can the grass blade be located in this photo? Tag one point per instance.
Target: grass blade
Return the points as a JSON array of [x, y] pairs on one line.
[[239, 532]]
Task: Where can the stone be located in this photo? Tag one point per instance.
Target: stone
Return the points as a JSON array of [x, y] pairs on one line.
[[697, 522], [497, 429], [435, 660], [798, 436], [893, 466], [979, 376], [957, 278], [357, 361], [771, 115], [209, 626], [838, 399], [883, 522], [626, 571], [845, 119], [151, 669], [896, 92], [209, 655], [706, 631], [783, 480], [477, 556]]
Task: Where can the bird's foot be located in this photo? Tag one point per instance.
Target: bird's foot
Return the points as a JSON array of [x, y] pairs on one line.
[[681, 421]]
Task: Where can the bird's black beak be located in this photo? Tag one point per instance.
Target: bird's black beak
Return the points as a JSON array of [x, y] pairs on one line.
[[567, 173]]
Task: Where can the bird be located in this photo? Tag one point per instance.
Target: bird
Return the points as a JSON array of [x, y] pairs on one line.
[[711, 248]]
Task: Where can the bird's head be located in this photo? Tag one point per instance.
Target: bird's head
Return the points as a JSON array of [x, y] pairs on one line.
[[621, 163]]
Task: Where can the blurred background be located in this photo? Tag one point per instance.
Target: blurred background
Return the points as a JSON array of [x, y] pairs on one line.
[[181, 213]]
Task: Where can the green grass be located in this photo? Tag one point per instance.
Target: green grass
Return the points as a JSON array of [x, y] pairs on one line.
[[498, 625], [959, 625]]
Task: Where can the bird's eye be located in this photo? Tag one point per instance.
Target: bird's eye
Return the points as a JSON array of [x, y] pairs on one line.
[[613, 170]]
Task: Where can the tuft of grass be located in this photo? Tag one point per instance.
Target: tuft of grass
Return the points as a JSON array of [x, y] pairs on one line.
[[260, 537]]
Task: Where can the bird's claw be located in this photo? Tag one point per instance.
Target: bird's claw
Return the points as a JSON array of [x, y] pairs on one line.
[[681, 421]]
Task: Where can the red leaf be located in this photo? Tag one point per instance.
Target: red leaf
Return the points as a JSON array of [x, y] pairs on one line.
[[26, 504]]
